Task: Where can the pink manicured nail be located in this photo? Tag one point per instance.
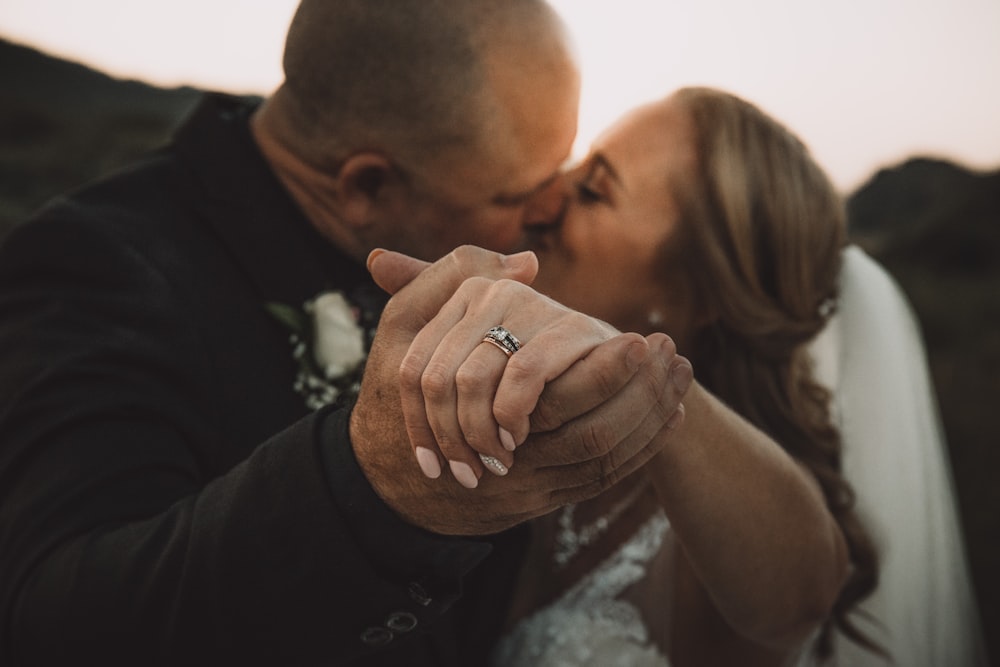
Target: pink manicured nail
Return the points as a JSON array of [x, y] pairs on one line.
[[494, 465], [463, 473], [507, 440], [428, 462]]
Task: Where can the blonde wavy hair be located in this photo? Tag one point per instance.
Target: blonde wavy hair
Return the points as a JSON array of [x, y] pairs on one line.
[[760, 238]]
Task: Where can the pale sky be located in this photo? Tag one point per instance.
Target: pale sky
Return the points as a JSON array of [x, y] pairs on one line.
[[865, 83]]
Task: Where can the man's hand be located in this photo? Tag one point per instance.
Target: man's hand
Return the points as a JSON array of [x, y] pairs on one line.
[[596, 408]]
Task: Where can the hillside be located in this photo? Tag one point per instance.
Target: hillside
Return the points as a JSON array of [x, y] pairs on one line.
[[63, 124], [934, 225]]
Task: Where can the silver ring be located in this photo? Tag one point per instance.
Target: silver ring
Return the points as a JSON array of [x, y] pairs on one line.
[[503, 339], [494, 464]]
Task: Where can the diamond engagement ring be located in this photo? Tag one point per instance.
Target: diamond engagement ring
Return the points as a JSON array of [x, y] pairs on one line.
[[503, 339]]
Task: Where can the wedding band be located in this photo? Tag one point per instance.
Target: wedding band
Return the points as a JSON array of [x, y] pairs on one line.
[[494, 464], [503, 339]]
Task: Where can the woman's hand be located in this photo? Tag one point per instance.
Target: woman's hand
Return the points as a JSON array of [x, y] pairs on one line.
[[465, 394], [462, 397]]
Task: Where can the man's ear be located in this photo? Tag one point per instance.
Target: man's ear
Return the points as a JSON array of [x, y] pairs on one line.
[[362, 180]]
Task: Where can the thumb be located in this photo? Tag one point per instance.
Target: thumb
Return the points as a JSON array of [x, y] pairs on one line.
[[422, 289], [392, 271]]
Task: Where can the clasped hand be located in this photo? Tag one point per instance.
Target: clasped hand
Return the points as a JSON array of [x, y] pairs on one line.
[[582, 404]]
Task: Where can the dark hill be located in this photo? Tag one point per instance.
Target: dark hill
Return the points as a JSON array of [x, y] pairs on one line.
[[63, 124], [932, 210]]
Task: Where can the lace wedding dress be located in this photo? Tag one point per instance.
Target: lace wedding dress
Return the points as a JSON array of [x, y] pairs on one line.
[[594, 623]]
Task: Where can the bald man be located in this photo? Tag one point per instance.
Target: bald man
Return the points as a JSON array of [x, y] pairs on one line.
[[176, 484]]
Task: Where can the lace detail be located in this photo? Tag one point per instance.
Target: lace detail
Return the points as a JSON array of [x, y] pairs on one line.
[[589, 626], [569, 540]]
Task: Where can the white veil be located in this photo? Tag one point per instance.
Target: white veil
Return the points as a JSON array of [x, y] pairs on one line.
[[872, 356]]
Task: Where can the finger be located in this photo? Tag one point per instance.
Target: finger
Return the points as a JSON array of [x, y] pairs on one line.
[[422, 298], [548, 355], [427, 394], [462, 374], [447, 351], [476, 382], [393, 271], [416, 304], [606, 438], [590, 381]]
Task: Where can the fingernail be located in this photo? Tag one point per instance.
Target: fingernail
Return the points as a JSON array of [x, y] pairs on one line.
[[494, 465], [428, 462], [636, 354], [372, 255], [507, 440], [463, 473], [517, 260], [681, 375], [676, 418]]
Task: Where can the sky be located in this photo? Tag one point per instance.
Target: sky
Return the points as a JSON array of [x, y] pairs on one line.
[[865, 83]]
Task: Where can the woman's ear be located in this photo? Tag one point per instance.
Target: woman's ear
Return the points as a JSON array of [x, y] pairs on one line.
[[361, 182]]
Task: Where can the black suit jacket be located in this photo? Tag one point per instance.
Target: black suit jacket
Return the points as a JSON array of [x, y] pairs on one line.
[[165, 496]]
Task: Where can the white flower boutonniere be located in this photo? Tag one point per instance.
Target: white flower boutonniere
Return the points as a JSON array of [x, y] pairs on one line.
[[329, 344], [339, 339]]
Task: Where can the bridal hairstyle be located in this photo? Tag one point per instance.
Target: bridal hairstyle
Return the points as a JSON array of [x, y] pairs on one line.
[[760, 238]]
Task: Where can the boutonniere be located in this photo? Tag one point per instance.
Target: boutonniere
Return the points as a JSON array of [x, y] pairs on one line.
[[330, 338]]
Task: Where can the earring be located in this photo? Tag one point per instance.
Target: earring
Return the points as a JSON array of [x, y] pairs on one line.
[[655, 317]]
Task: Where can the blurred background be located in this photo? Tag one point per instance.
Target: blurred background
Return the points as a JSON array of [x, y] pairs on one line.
[[898, 99]]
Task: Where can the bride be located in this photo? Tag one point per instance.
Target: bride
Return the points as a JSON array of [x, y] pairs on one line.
[[701, 217]]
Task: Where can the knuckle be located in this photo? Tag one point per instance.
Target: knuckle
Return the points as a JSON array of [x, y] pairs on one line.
[[472, 377], [549, 414], [435, 382], [505, 413], [473, 286], [519, 369], [580, 322], [597, 438], [503, 286], [467, 257], [463, 254], [410, 372], [606, 384]]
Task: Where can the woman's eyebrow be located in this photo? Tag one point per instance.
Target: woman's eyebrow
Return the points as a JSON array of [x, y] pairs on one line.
[[600, 160]]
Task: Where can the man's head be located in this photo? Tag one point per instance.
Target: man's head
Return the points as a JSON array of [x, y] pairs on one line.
[[420, 125]]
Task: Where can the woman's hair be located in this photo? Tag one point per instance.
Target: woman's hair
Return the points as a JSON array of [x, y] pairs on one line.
[[760, 238]]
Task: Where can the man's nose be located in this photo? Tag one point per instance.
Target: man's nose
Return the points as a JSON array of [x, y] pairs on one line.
[[546, 207]]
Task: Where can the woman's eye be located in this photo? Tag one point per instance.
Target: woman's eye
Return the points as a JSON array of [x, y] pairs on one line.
[[587, 194]]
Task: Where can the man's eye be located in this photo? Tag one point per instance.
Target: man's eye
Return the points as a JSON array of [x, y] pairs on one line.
[[587, 194]]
